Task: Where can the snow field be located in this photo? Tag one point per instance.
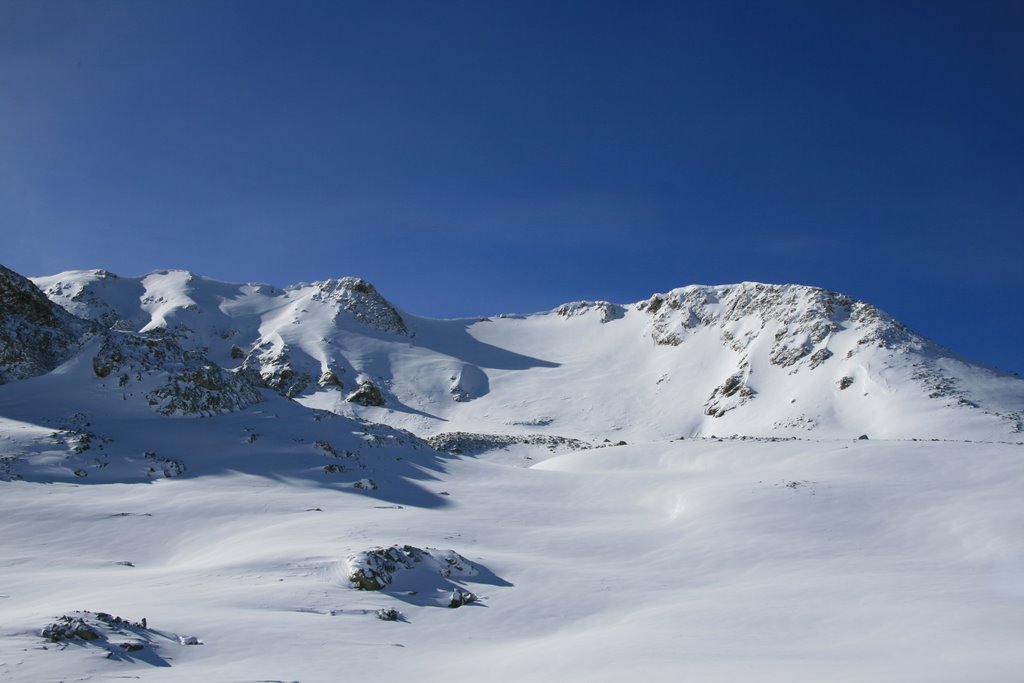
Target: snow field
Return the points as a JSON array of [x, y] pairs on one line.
[[699, 560]]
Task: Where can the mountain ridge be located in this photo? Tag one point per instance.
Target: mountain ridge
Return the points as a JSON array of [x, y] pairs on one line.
[[751, 359]]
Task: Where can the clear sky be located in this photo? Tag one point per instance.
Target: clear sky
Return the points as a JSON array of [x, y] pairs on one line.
[[480, 157]]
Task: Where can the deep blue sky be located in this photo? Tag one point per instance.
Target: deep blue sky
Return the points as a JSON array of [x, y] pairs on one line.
[[483, 157]]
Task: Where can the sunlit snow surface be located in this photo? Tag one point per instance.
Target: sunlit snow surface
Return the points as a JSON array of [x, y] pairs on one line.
[[796, 561], [792, 552]]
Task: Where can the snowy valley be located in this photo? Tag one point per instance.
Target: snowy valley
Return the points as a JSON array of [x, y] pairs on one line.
[[218, 481]]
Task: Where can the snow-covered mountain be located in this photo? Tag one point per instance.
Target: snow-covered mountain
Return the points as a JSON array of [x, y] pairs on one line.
[[203, 480], [748, 359]]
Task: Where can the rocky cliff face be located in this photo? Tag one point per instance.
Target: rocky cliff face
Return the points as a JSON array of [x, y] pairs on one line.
[[36, 335]]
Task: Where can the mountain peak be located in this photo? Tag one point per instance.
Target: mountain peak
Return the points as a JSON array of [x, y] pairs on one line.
[[361, 299]]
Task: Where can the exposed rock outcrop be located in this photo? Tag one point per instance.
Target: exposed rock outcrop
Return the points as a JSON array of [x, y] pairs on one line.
[[36, 335], [730, 394], [366, 394], [188, 383], [803, 320], [605, 309], [373, 570], [361, 299]]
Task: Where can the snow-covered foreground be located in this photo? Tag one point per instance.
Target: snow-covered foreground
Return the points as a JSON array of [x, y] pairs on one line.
[[699, 560]]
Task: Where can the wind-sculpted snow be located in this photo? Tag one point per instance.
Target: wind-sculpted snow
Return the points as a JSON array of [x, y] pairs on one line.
[[98, 295]]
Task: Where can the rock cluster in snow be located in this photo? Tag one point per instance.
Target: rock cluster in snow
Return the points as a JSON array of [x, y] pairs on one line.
[[606, 310], [466, 443], [732, 393], [806, 317], [375, 569], [361, 299], [122, 639], [271, 367], [188, 383], [366, 394]]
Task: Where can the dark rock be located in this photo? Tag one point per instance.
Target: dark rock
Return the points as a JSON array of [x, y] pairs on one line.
[[66, 628], [362, 301], [36, 335], [366, 394], [735, 389], [819, 357], [459, 598], [372, 570], [193, 385], [328, 378], [473, 444]]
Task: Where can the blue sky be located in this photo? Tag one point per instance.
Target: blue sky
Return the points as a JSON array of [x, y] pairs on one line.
[[484, 157]]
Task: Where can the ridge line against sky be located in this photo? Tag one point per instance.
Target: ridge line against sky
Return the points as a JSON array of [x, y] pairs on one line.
[[474, 158]]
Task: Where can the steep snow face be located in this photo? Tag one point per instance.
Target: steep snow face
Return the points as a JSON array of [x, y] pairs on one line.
[[747, 359], [35, 334]]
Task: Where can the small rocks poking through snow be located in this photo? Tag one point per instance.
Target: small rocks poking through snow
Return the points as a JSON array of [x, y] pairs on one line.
[[69, 628], [459, 598], [732, 393]]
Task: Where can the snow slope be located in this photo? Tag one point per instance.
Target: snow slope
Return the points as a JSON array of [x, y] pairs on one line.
[[196, 462], [697, 560]]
